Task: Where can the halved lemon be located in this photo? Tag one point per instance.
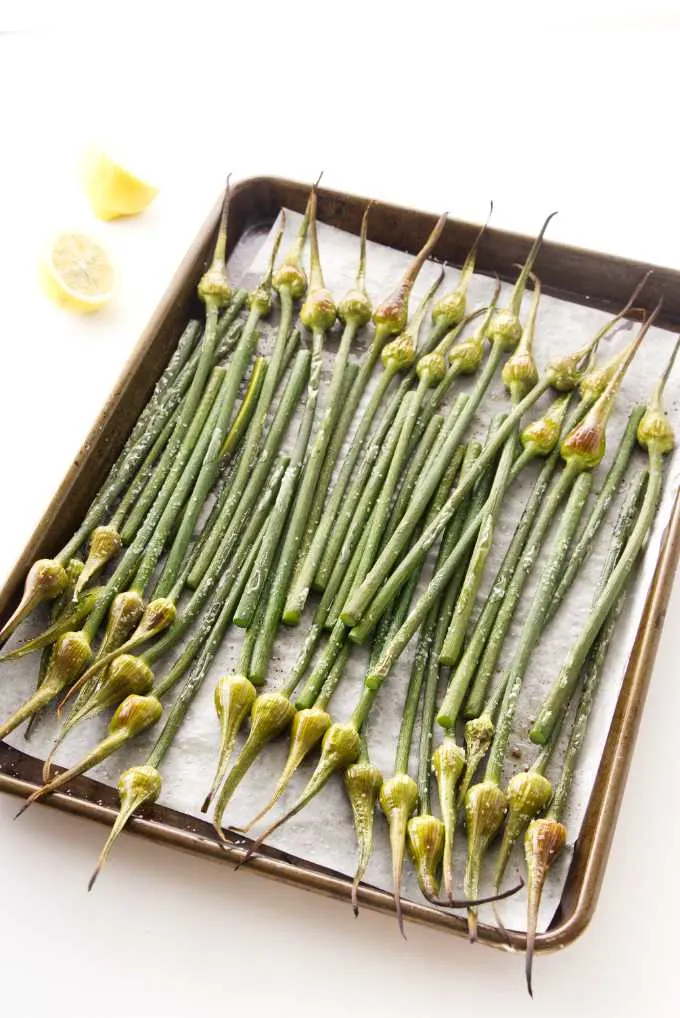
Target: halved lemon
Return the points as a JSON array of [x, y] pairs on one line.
[[114, 191], [77, 274]]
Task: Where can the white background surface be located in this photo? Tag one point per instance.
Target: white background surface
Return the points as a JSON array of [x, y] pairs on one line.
[[426, 106]]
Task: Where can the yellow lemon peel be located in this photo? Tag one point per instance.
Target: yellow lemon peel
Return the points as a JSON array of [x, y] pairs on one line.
[[114, 191], [77, 274]]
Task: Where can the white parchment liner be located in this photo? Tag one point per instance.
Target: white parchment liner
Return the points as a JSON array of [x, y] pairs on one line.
[[323, 832]]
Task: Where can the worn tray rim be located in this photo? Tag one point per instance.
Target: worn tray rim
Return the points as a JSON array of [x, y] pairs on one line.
[[298, 872]]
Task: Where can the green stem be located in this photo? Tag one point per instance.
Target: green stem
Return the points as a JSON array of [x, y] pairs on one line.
[[231, 515], [200, 440], [343, 579], [340, 427], [475, 570], [441, 578], [228, 549], [611, 484], [141, 478], [220, 580], [210, 460], [314, 475], [467, 666], [166, 505], [291, 510], [622, 530], [561, 692], [156, 483], [499, 630], [339, 510], [534, 625], [334, 678], [410, 712], [150, 424], [246, 410], [288, 554], [384, 577]]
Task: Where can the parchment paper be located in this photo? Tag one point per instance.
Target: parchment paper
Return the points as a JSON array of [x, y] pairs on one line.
[[188, 768]]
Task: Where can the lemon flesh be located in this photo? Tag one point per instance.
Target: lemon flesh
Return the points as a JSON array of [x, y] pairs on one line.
[[77, 274], [114, 191]]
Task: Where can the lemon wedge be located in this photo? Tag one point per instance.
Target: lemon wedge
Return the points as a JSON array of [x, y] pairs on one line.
[[114, 191], [77, 274]]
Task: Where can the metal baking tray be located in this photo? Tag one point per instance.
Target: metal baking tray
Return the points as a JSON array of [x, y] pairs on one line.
[[571, 273]]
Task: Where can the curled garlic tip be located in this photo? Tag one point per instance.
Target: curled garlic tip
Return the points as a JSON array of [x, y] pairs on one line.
[[566, 373], [485, 808], [528, 794], [136, 786], [448, 761], [449, 310], [391, 315], [479, 733], [542, 435], [214, 287], [291, 276], [543, 842], [520, 371], [105, 543], [126, 675], [135, 714], [426, 838], [340, 747], [355, 307], [318, 311], [234, 698], [46, 580], [270, 714], [69, 657], [398, 799], [158, 615], [655, 430], [400, 353], [363, 782], [467, 355], [431, 368], [505, 329], [307, 729], [125, 614], [585, 445], [72, 652]]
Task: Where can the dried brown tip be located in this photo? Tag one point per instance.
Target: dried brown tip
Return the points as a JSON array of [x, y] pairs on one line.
[[487, 899]]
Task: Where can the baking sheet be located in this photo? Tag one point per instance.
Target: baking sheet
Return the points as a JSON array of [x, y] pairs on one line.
[[188, 767]]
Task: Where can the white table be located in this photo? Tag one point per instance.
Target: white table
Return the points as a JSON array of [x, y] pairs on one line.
[[166, 934]]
